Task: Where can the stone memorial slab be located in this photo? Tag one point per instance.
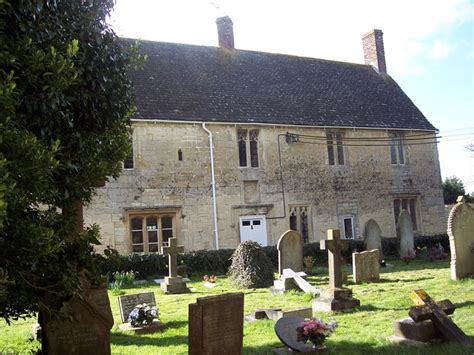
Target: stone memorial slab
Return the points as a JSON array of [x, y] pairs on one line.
[[290, 251], [128, 302], [336, 297], [88, 329], [373, 236], [173, 283], [277, 313], [285, 329], [461, 239], [216, 324], [405, 233], [366, 266]]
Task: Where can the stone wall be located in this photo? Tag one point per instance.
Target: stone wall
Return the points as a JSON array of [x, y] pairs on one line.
[[363, 188]]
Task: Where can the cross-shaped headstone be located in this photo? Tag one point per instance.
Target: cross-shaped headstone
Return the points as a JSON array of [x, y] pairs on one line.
[[298, 279], [172, 249], [334, 245], [427, 308]]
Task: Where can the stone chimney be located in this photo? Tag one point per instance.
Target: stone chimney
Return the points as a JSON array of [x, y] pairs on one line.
[[374, 53], [225, 31]]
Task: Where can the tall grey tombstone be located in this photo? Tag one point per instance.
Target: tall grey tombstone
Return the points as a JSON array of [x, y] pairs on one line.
[[405, 233], [373, 236], [290, 251], [216, 325], [461, 239]]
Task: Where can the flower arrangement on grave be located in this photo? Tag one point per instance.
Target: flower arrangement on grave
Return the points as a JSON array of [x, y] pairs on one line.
[[142, 315], [315, 330], [207, 278]]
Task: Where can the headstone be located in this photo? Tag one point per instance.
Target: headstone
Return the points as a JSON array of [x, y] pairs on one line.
[[437, 312], [461, 239], [291, 280], [405, 233], [366, 266], [216, 324], [277, 313], [336, 297], [423, 331], [173, 283], [88, 330], [290, 251], [285, 329], [128, 302], [373, 236]]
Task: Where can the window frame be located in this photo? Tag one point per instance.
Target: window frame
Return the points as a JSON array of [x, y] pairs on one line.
[[298, 211], [352, 219], [145, 215], [130, 157], [248, 147], [336, 154], [397, 148], [411, 207]]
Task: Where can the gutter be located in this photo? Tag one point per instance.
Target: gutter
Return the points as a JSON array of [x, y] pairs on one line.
[[213, 184]]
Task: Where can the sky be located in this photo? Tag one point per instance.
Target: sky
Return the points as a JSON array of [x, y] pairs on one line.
[[429, 47]]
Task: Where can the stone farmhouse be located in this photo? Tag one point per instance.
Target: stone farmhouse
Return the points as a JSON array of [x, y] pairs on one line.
[[232, 145]]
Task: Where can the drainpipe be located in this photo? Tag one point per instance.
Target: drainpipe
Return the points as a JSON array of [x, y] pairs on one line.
[[213, 183]]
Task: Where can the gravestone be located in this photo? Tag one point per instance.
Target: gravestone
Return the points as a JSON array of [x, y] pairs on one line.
[[293, 280], [88, 329], [373, 236], [285, 329], [336, 297], [216, 324], [290, 251], [405, 233], [461, 239], [366, 266], [128, 302], [173, 283], [277, 313]]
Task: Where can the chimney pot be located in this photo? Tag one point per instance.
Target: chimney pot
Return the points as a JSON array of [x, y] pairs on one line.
[[374, 53], [225, 32]]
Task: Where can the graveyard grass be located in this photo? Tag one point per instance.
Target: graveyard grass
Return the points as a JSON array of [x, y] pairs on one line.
[[361, 331]]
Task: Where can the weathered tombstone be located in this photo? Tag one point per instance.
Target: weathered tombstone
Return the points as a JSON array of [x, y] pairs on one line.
[[461, 239], [88, 330], [336, 297], [216, 324], [366, 266], [437, 312], [277, 313], [405, 233], [290, 251], [128, 302], [373, 236], [285, 329], [173, 283]]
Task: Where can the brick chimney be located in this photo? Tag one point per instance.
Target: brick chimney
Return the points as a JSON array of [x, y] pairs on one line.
[[225, 31], [374, 53]]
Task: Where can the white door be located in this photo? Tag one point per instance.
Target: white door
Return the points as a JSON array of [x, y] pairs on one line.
[[253, 228]]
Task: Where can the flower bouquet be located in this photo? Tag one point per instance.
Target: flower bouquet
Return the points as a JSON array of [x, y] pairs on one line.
[[142, 315], [207, 278], [315, 330]]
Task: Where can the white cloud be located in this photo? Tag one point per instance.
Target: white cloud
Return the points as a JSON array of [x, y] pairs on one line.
[[441, 49]]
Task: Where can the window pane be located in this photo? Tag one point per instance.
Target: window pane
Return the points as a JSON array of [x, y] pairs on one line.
[[153, 248], [413, 212], [137, 223], [166, 222], [293, 223], [137, 248], [401, 159], [137, 237], [340, 149], [242, 142], [256, 223], [330, 149], [393, 148], [396, 209], [348, 228], [246, 223], [405, 204], [254, 154], [167, 234], [304, 228], [153, 237], [128, 162]]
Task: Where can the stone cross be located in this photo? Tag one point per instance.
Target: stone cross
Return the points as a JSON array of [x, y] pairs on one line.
[[298, 279], [172, 249], [334, 245], [427, 308]]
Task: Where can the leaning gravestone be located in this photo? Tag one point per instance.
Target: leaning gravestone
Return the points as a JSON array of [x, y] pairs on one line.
[[128, 302], [405, 233], [366, 266], [216, 324], [290, 252], [461, 239], [88, 329], [373, 236], [285, 329]]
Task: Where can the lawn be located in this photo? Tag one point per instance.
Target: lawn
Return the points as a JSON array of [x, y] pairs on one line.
[[361, 331]]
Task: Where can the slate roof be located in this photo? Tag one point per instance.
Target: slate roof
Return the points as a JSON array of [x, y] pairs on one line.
[[198, 83]]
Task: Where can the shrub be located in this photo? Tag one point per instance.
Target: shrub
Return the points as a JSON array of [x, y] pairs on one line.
[[430, 241], [251, 268]]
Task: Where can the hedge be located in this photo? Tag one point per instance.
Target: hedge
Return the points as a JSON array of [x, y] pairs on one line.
[[218, 261]]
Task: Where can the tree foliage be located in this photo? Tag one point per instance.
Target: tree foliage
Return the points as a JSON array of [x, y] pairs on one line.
[[65, 102], [452, 188]]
